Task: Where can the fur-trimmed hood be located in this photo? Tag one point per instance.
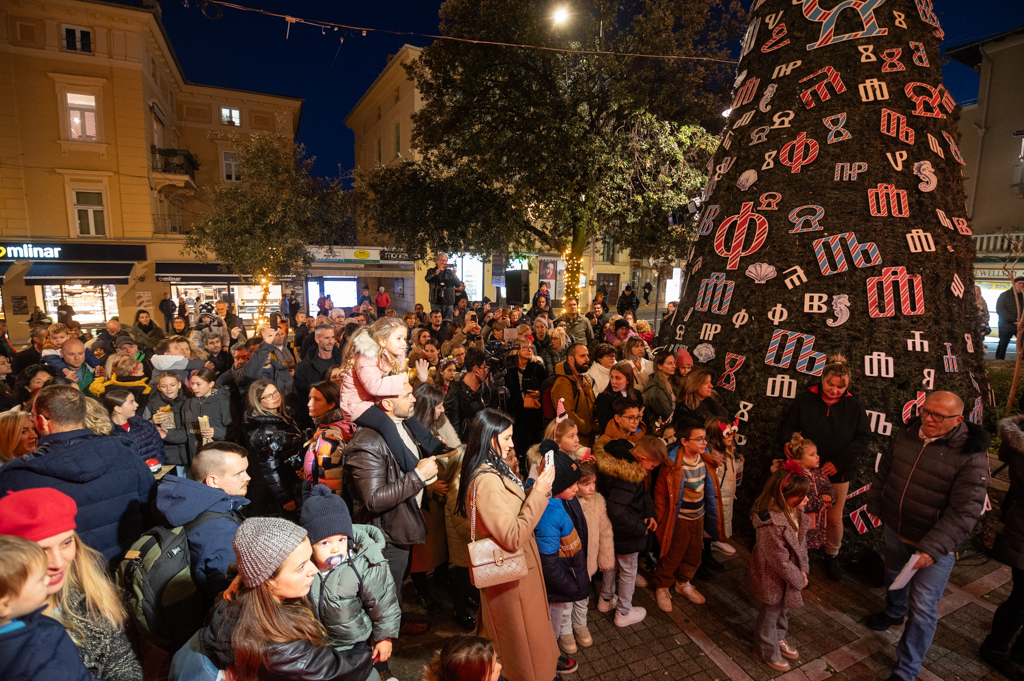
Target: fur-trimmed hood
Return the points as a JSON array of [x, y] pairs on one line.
[[624, 468], [1011, 433], [363, 343]]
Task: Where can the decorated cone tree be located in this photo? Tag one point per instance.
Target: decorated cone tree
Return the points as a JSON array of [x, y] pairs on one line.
[[834, 223]]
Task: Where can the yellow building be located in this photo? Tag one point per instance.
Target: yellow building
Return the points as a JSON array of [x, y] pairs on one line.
[[382, 124]]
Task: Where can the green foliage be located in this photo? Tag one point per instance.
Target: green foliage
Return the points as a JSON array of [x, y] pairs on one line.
[[524, 147], [265, 224]]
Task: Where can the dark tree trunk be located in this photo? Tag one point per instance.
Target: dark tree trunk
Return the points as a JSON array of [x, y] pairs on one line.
[[852, 236]]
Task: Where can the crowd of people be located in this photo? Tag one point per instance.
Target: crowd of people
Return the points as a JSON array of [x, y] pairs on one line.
[[281, 488]]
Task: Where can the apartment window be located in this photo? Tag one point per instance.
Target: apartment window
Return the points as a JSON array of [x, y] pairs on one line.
[[230, 116], [378, 150], [609, 252], [81, 117], [89, 213], [397, 95], [77, 39], [231, 173], [398, 140]]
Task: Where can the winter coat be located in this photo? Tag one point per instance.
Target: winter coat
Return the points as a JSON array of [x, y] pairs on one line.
[[145, 439], [816, 509], [382, 300], [778, 561], [600, 537], [218, 408], [147, 336], [552, 358], [368, 378], [357, 601], [210, 545], [176, 443], [932, 494], [24, 359], [712, 466], [291, 661], [1006, 306], [1011, 451], [311, 369], [382, 495], [706, 408], [40, 651], [273, 441], [579, 400], [728, 473], [104, 647], [461, 404], [456, 528], [562, 542], [841, 431], [434, 549], [668, 496], [627, 301], [254, 370], [629, 504], [136, 385], [102, 473], [578, 327], [659, 401], [514, 615]]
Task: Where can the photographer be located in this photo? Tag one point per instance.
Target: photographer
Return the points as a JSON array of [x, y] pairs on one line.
[[465, 396], [443, 287]]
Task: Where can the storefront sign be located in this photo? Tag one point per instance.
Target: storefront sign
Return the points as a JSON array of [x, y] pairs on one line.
[[71, 252], [359, 255]]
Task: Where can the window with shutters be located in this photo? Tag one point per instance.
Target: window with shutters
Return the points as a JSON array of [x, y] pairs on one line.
[[231, 173], [230, 116], [77, 39]]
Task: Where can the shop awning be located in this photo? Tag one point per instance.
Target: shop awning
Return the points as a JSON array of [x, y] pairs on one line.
[[193, 273], [3, 269], [78, 273]]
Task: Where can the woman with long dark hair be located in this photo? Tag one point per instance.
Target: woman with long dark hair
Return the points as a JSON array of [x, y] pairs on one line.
[[29, 381], [621, 383], [146, 332], [515, 614], [272, 438]]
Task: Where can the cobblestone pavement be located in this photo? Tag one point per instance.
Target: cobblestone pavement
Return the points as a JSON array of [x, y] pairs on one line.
[[712, 641]]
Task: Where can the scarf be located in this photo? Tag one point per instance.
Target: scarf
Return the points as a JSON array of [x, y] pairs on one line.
[[329, 417], [503, 470]]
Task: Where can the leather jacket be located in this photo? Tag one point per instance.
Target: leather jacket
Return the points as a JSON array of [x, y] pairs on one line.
[[382, 495]]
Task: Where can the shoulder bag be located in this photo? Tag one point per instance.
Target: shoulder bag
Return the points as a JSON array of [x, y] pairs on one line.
[[489, 564]]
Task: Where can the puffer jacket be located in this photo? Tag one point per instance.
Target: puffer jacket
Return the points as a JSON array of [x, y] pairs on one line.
[[668, 496], [368, 378], [145, 439], [841, 431], [629, 504], [41, 650], [562, 542], [600, 536], [357, 601], [932, 495], [102, 473], [1011, 451], [176, 443], [218, 408], [779, 559], [461, 404], [382, 495], [291, 661], [273, 441], [552, 357]]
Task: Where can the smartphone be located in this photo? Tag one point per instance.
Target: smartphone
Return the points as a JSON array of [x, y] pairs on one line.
[[549, 459]]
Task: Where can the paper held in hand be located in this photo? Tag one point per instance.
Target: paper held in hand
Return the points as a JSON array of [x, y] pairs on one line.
[[905, 575]]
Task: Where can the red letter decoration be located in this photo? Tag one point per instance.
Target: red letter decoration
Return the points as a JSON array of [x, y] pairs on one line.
[[903, 281], [793, 154], [828, 17], [831, 76], [736, 249]]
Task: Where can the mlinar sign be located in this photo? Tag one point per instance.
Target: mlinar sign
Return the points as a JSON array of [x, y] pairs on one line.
[[30, 252], [71, 251]]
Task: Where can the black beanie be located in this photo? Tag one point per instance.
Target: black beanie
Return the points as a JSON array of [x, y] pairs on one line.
[[567, 473], [325, 514]]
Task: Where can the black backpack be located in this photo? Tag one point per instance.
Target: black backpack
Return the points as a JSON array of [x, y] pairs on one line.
[[158, 588]]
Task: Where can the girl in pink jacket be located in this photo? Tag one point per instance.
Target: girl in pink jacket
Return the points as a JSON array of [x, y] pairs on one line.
[[374, 368]]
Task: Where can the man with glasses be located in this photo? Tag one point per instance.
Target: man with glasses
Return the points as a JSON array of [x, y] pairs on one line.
[[626, 424], [928, 491]]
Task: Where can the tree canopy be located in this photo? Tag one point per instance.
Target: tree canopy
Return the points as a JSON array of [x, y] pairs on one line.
[[524, 147]]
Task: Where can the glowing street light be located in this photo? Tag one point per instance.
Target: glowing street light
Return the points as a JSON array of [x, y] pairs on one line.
[[560, 17]]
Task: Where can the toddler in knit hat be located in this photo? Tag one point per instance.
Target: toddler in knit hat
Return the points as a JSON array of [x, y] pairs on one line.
[[353, 594]]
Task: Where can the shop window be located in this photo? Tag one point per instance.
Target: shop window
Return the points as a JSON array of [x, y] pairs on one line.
[[609, 252], [229, 116], [82, 117], [77, 39], [93, 305], [231, 170], [89, 213]]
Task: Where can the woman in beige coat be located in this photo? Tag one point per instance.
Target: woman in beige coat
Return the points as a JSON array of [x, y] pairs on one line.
[[515, 614]]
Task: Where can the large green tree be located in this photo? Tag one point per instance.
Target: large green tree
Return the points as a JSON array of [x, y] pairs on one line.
[[524, 147], [262, 227]]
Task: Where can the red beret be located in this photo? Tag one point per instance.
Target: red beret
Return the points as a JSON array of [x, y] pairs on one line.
[[36, 514]]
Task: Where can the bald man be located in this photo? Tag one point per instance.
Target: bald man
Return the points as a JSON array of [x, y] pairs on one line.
[[72, 354], [928, 491]]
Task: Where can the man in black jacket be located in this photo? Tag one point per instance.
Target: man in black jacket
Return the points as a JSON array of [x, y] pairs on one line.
[[33, 353], [929, 491], [318, 360], [1009, 311], [438, 327], [443, 286], [465, 396], [383, 494], [628, 300], [168, 309]]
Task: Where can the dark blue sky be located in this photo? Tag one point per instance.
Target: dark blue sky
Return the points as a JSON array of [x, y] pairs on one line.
[[248, 51]]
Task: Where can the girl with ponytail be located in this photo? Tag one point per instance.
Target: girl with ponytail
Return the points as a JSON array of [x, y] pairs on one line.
[[820, 495]]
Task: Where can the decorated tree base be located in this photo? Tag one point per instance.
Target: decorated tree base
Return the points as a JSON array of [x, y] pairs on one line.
[[834, 223]]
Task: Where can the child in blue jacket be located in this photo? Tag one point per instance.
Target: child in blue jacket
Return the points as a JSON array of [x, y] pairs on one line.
[[562, 544]]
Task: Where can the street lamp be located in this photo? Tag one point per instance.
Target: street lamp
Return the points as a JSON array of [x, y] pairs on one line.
[[560, 16]]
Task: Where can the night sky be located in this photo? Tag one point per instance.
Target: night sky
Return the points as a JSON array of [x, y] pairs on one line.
[[248, 51]]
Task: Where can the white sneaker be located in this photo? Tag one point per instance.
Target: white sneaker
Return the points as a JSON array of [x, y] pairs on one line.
[[637, 614], [641, 581], [605, 606], [725, 548], [664, 599], [690, 592]]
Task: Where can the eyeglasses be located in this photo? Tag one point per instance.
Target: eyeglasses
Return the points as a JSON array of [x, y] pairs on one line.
[[271, 395], [634, 419], [696, 439], [929, 414]]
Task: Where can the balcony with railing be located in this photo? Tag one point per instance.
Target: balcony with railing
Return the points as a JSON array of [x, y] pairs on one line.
[[173, 168], [995, 245], [168, 226]]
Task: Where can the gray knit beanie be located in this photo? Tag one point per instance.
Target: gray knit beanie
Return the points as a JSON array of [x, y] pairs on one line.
[[262, 545]]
